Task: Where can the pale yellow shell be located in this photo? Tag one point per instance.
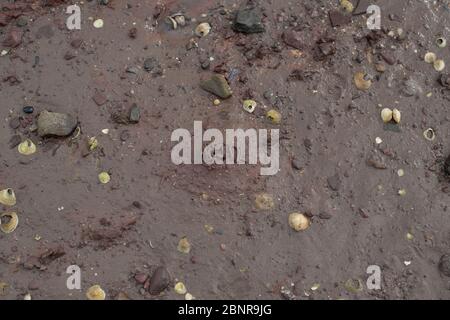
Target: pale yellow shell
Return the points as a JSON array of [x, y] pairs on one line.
[[298, 221], [95, 293], [8, 197], [360, 82], [27, 147], [203, 29], [11, 225], [274, 116]]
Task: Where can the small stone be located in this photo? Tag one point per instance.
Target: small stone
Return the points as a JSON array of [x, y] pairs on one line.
[[14, 123], [55, 124], [14, 141], [28, 109], [132, 33], [338, 18], [76, 43], [325, 216], [411, 88], [248, 20], [140, 278], [296, 164], [135, 113], [13, 38], [218, 86], [295, 39], [334, 182], [159, 281], [99, 98], [444, 265], [150, 64]]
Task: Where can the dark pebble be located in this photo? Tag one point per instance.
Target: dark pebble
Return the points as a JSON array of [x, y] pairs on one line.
[[135, 114], [325, 215], [28, 109], [159, 281]]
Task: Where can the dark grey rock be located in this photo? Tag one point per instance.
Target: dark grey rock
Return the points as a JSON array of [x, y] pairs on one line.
[[334, 182], [135, 114], [248, 20], [55, 124]]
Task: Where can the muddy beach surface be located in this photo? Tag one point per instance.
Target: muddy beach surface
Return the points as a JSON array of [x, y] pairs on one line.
[[374, 193]]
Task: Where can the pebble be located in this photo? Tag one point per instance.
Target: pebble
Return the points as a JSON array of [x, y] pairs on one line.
[[28, 109], [99, 98], [338, 18], [159, 281], [248, 20], [444, 265], [334, 182], [135, 114], [296, 164], [55, 124], [13, 38], [218, 86]]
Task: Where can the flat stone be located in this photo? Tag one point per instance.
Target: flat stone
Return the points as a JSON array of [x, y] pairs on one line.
[[99, 98], [55, 124], [338, 18], [218, 86], [135, 113], [248, 20], [13, 38], [295, 39]]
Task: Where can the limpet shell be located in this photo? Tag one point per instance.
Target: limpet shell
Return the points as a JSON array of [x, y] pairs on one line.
[[429, 134], [180, 288], [180, 19], [298, 221], [184, 246], [347, 5], [386, 115], [396, 115], [274, 116], [8, 222], [360, 81], [95, 293], [249, 105], [430, 57], [27, 147], [172, 22], [264, 201], [439, 65], [203, 29], [98, 23], [104, 177], [441, 42], [8, 197], [354, 285]]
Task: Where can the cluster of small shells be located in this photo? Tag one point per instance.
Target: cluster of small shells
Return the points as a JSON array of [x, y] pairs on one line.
[[387, 115], [176, 20], [8, 220], [431, 58]]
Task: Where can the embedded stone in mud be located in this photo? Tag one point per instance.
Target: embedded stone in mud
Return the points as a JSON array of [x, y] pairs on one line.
[[55, 124], [248, 20], [218, 86]]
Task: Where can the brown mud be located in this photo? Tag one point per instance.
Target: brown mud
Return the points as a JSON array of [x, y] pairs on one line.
[[331, 169]]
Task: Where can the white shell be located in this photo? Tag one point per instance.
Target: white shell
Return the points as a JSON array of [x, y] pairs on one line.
[[203, 29]]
